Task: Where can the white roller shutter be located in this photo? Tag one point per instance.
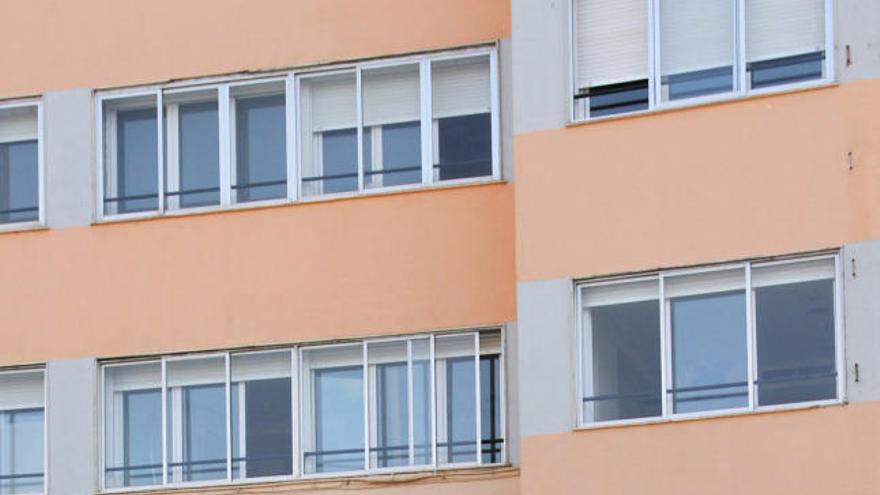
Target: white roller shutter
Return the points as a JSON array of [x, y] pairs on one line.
[[21, 390], [209, 371], [460, 87], [391, 96], [696, 35], [781, 28], [611, 41], [791, 273], [620, 293], [260, 366], [18, 124], [333, 103]]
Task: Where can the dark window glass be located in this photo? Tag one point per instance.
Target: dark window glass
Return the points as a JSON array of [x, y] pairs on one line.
[[203, 439], [401, 155], [699, 83], [260, 148], [136, 160], [267, 428], [796, 347], [490, 409], [617, 98], [19, 182], [461, 410], [787, 70], [465, 146], [339, 160], [199, 155]]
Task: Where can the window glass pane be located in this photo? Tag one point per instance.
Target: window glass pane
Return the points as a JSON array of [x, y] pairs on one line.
[[19, 168], [196, 401], [130, 155], [262, 440], [462, 122], [621, 352], [333, 409], [260, 149], [328, 140], [697, 47], [794, 323], [422, 401], [133, 425], [490, 398], [389, 404], [785, 41], [192, 149], [456, 402], [21, 433], [707, 314], [392, 116]]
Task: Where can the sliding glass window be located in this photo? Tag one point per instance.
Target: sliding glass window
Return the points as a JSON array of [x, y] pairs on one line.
[[259, 142], [192, 149], [22, 433], [19, 164], [708, 341], [130, 155]]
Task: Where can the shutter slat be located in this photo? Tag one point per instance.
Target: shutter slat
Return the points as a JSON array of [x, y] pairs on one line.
[[333, 103], [781, 28], [391, 96], [611, 41], [460, 87], [18, 124], [696, 35]]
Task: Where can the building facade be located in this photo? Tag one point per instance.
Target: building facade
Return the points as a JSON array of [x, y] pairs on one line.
[[512, 247]]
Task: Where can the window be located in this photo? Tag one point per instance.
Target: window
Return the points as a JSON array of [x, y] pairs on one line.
[[22, 432], [635, 55], [20, 164], [382, 125], [707, 341], [374, 405]]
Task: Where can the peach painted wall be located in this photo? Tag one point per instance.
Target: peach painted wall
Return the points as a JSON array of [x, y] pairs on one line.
[[755, 177], [62, 44], [358, 267], [812, 452]]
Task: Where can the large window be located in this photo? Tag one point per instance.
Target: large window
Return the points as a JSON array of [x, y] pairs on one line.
[[376, 405], [708, 341], [22, 433], [633, 55], [380, 125], [20, 168]]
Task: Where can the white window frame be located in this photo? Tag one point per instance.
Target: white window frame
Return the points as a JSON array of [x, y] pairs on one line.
[[291, 80], [741, 87], [45, 395], [666, 347], [299, 428], [41, 168]]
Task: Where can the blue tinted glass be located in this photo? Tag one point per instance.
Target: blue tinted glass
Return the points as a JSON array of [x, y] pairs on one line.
[[19, 182], [393, 411], [422, 412], [709, 352], [137, 159], [261, 149], [339, 418], [142, 437], [490, 409], [199, 155], [465, 146], [615, 100], [202, 434], [401, 155], [787, 70], [700, 83], [461, 410], [794, 324], [22, 470], [267, 428], [339, 159]]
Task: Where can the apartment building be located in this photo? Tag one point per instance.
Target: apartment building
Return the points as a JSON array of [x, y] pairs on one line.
[[434, 247]]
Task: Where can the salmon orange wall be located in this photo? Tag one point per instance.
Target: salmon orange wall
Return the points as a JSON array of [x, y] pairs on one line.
[[62, 44], [754, 177], [811, 452], [359, 267]]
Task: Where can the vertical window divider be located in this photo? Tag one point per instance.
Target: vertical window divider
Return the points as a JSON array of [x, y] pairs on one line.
[[664, 348], [164, 401], [41, 168], [102, 435], [228, 380], [99, 157], [477, 404], [433, 403], [495, 105], [579, 359], [294, 413], [742, 74], [359, 98], [409, 402], [160, 128], [751, 339], [301, 456], [291, 99], [223, 104], [427, 103], [502, 392], [829, 41], [653, 53], [366, 379]]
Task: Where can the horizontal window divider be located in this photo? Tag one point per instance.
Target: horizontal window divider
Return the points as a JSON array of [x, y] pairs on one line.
[[253, 185], [702, 388], [633, 395], [20, 210], [787, 379]]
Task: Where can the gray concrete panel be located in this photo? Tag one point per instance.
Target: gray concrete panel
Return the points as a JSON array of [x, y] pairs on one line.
[[69, 157], [72, 408]]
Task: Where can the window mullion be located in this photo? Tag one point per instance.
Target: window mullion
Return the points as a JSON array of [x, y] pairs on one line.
[[478, 405], [366, 388], [164, 402], [359, 98], [665, 348], [294, 413], [495, 104], [433, 403], [409, 402], [225, 145], [653, 53], [741, 72], [426, 92], [160, 156], [751, 340], [291, 98], [228, 383]]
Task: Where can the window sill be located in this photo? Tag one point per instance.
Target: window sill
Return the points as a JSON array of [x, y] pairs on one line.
[[278, 203], [730, 413], [707, 101], [13, 228], [331, 481]]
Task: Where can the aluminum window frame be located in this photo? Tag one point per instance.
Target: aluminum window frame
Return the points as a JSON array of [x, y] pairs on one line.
[[298, 381], [291, 80], [667, 414], [741, 86], [42, 369], [40, 222]]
